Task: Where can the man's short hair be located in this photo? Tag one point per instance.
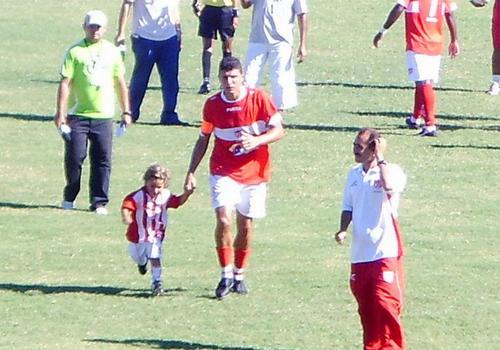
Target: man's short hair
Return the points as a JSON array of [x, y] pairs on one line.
[[372, 134], [229, 63]]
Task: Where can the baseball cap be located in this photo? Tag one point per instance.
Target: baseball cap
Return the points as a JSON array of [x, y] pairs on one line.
[[95, 17]]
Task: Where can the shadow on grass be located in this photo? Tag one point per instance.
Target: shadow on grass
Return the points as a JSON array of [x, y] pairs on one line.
[[33, 289], [190, 124], [169, 344], [28, 117], [487, 147], [376, 86], [49, 118], [27, 206], [393, 114], [182, 90]]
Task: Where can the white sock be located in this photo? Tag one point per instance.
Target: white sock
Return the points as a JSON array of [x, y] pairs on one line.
[[239, 274], [227, 271], [496, 78], [156, 273]]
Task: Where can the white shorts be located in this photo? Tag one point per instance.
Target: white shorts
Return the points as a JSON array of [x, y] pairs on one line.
[[142, 252], [281, 71], [248, 200], [422, 67]]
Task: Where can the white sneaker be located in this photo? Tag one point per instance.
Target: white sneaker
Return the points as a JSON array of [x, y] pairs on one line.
[[494, 89], [66, 205], [101, 211]]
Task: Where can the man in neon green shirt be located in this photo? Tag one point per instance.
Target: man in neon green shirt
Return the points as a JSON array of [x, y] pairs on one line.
[[91, 72]]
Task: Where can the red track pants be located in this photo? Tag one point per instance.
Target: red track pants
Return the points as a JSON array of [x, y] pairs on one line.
[[378, 288]]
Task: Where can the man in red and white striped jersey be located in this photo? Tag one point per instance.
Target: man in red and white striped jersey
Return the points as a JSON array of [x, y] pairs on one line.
[[145, 213], [424, 45], [371, 197], [244, 121]]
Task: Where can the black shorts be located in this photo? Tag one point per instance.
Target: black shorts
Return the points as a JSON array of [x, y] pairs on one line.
[[216, 19]]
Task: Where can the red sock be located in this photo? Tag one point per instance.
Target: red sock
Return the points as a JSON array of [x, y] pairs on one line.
[[225, 255], [241, 257], [429, 103], [419, 102]]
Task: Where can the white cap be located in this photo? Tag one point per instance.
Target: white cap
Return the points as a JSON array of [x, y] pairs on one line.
[[95, 17]]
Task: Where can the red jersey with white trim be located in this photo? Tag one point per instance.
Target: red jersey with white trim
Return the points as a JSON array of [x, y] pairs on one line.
[[252, 113], [424, 24], [149, 214]]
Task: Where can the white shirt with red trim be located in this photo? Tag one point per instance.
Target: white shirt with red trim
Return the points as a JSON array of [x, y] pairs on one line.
[[149, 214], [253, 113], [424, 24], [375, 234]]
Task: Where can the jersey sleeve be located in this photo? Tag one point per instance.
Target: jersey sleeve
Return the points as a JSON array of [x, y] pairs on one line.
[[347, 197], [397, 178], [403, 3], [174, 201], [67, 68], [450, 6], [207, 125], [129, 203]]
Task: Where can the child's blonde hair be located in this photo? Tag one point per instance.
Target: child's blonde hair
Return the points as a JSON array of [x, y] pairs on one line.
[[157, 171]]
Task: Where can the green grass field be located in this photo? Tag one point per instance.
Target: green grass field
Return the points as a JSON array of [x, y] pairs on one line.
[[66, 281]]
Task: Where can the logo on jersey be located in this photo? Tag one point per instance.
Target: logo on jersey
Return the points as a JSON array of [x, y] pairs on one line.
[[233, 109]]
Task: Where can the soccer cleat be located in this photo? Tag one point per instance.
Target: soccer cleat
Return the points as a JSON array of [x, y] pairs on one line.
[[142, 268], [67, 205], [204, 88], [157, 288], [240, 287], [494, 89], [413, 125], [429, 133], [223, 288]]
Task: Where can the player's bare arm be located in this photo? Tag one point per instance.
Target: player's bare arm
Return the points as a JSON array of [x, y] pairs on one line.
[[345, 220], [62, 102], [122, 22], [250, 142], [122, 90], [127, 216], [246, 3], [393, 16], [199, 150], [453, 48], [303, 21]]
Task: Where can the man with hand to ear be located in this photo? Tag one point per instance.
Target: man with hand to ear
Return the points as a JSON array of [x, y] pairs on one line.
[[370, 202]]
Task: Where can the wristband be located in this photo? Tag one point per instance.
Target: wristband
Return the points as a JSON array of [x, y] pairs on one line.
[[383, 30], [382, 161], [236, 13], [127, 113]]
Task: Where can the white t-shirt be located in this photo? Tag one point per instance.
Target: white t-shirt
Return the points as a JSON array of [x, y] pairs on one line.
[[374, 235], [154, 19], [272, 21]]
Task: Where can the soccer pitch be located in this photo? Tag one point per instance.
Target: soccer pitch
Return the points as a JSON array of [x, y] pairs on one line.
[[66, 281]]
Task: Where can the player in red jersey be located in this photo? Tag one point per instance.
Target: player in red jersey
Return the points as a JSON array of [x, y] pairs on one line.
[[244, 121], [145, 213], [424, 45], [494, 89]]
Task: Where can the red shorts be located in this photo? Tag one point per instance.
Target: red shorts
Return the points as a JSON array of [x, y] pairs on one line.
[[495, 25]]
